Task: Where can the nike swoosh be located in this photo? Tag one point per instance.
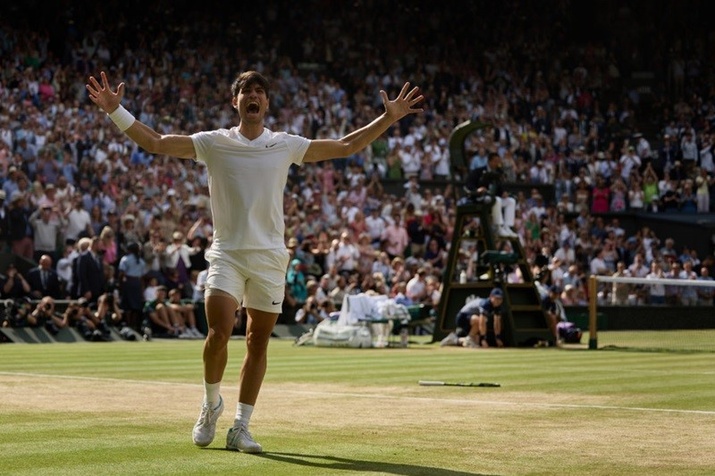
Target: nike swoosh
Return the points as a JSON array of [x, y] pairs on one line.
[[268, 146], [275, 303]]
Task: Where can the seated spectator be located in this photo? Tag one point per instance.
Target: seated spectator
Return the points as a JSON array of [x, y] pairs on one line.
[[184, 315], [160, 316]]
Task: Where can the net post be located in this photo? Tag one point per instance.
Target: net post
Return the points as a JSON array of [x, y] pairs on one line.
[[592, 313]]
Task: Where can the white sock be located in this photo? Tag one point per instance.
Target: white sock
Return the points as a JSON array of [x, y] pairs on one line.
[[243, 413], [211, 393]]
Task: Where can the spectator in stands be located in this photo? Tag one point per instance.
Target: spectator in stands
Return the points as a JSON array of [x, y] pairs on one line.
[[79, 222], [656, 291], [688, 294], [629, 162], [347, 254], [375, 226], [97, 220], [619, 194], [705, 294], [131, 272], [435, 255], [395, 237], [184, 315], [43, 280], [600, 196], [19, 226], [64, 269], [108, 247], [3, 222], [472, 322], [703, 182], [178, 257], [416, 287], [160, 315], [14, 284], [90, 272], [154, 254], [651, 195], [47, 231], [672, 293], [621, 292]]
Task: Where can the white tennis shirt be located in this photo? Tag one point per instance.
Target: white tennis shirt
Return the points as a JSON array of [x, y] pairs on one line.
[[246, 183]]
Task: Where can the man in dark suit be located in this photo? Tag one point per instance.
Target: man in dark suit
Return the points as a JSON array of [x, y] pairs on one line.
[[91, 272], [43, 280]]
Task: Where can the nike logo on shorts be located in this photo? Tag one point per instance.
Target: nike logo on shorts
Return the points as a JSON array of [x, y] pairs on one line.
[[276, 303]]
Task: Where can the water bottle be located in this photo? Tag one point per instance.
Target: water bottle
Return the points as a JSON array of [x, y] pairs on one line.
[[463, 277], [404, 337]]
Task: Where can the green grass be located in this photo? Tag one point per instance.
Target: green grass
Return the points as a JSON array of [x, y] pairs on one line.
[[691, 340], [128, 408]]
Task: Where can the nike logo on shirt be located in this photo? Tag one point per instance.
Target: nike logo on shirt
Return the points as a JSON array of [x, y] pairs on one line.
[[268, 146], [276, 303]]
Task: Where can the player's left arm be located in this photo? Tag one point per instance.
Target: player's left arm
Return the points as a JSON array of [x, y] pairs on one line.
[[405, 103]]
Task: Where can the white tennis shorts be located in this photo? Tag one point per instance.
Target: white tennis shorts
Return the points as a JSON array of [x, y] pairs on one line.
[[255, 278]]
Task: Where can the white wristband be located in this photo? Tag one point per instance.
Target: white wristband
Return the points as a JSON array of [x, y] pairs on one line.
[[122, 118]]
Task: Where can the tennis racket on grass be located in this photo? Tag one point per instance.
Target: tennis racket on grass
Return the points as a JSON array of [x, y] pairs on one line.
[[439, 383]]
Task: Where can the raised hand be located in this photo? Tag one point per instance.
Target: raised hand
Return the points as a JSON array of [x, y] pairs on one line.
[[102, 95], [404, 103]]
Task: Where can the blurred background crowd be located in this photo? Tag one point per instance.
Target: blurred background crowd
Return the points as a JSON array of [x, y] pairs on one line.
[[607, 105]]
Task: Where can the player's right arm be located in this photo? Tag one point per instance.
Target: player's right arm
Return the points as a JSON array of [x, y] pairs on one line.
[[147, 138]]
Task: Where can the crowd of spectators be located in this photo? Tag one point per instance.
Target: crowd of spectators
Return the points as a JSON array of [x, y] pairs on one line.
[[561, 111]]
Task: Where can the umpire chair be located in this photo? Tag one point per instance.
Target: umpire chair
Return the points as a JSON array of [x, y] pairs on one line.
[[479, 260]]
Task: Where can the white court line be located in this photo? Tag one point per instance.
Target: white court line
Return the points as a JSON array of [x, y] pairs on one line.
[[377, 395]]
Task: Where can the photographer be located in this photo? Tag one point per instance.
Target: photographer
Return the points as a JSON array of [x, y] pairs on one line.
[[108, 311], [309, 313], [14, 284], [484, 184], [79, 315], [44, 316]]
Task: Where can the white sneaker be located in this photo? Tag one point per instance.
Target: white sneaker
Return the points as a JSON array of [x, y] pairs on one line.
[[197, 333], [239, 439], [205, 427], [451, 339], [506, 232], [470, 343]]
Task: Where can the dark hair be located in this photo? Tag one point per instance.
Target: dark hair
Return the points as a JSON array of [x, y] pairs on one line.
[[247, 78]]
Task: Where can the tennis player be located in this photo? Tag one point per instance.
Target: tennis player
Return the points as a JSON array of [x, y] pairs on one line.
[[248, 168]]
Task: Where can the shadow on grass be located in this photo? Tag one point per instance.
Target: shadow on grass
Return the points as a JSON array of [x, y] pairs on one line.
[[336, 463]]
